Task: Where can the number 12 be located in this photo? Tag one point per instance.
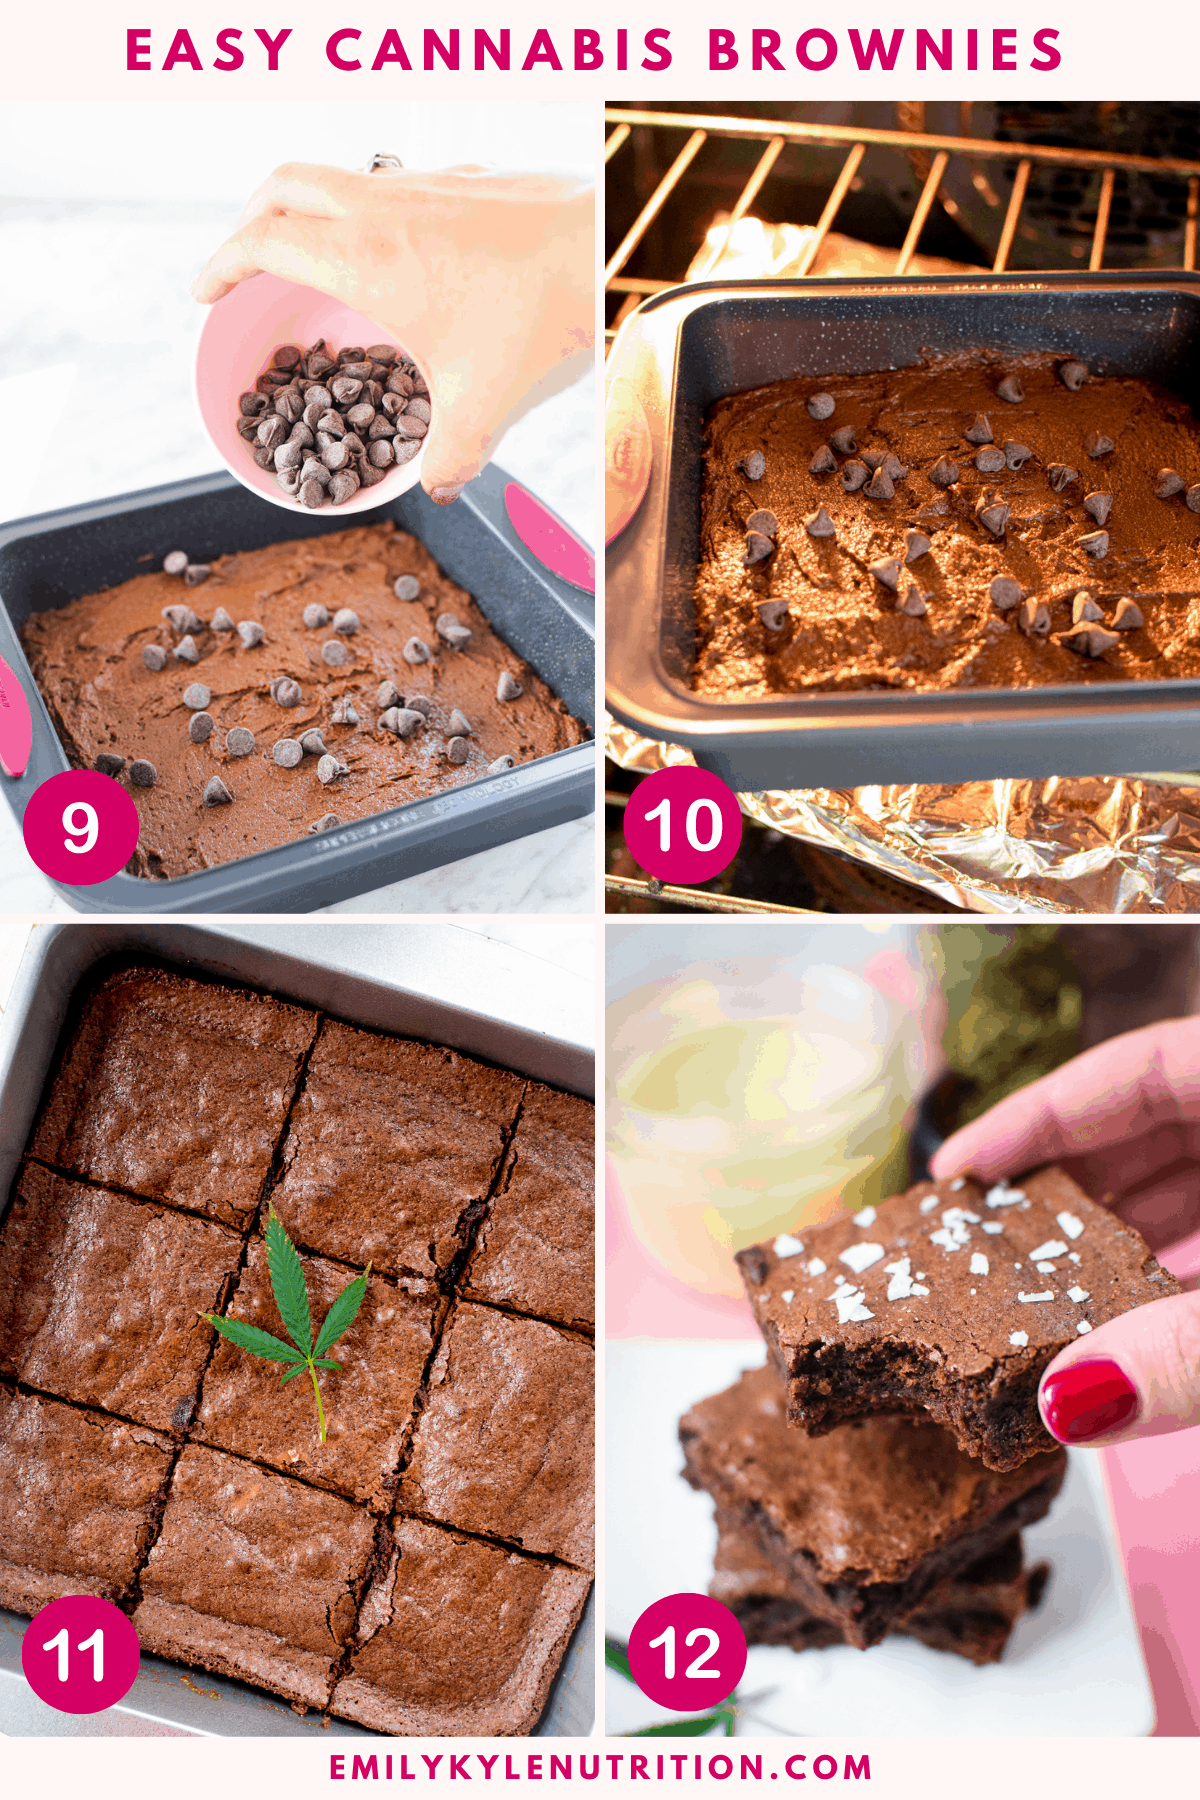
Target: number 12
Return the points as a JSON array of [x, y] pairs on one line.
[[695, 1670]]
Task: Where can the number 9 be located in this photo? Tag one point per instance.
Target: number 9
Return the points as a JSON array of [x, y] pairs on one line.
[[88, 830]]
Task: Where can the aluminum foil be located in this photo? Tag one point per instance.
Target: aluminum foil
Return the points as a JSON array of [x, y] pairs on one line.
[[1124, 844]]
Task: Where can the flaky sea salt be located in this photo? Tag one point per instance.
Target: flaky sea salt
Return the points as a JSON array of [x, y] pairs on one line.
[[1044, 1268], [1070, 1224], [957, 1185], [902, 1284], [979, 1263], [992, 1226], [786, 1245], [1082, 1327], [865, 1217], [849, 1303], [1019, 1338], [1052, 1247], [1077, 1294], [929, 1203], [1029, 1299], [1003, 1195], [861, 1256], [788, 1295], [816, 1266]]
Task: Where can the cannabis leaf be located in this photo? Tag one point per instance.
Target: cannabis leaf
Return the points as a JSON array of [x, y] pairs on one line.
[[291, 1297]]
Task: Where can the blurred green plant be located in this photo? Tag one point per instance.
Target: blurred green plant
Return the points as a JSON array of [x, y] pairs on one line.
[[721, 1719], [1014, 1001]]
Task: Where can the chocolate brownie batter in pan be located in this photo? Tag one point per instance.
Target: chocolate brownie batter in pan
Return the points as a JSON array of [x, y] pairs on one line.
[[937, 528], [322, 616]]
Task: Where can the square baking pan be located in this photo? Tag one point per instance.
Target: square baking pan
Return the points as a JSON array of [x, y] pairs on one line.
[[439, 983], [57, 557], [683, 350]]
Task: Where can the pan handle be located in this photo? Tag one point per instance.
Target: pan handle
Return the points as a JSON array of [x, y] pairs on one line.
[[528, 526], [16, 724]]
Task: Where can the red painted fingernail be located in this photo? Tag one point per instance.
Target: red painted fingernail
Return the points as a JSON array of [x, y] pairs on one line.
[[1086, 1399], [444, 495]]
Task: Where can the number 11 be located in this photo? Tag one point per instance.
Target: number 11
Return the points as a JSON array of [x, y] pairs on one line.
[[95, 1644]]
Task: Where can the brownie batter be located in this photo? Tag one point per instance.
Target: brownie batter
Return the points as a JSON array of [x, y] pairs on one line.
[[866, 1520], [87, 660], [842, 629], [950, 1300]]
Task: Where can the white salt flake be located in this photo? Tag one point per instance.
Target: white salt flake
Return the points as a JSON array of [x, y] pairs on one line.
[[1082, 1327], [839, 1281], [1070, 1224], [861, 1256], [1028, 1299], [1077, 1294], [917, 1289], [992, 1226], [865, 1217], [1019, 1338], [1052, 1247], [1044, 1268], [1074, 1256], [957, 1185], [788, 1295], [958, 1215], [979, 1263], [850, 1306], [816, 1266], [786, 1245], [901, 1284], [950, 1237], [1003, 1195], [929, 1203]]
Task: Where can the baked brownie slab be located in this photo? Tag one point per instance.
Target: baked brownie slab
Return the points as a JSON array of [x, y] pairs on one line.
[[78, 1496], [389, 1145], [368, 1406], [100, 1296], [865, 1520], [459, 1638], [505, 1442], [253, 1576], [177, 1090], [950, 1300], [535, 1247]]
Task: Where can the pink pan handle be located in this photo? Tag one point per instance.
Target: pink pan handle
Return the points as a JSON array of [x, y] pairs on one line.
[[556, 548], [16, 724]]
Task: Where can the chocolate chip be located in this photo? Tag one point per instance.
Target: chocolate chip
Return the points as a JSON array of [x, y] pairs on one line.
[[458, 726], [772, 613], [452, 631], [508, 687], [421, 703], [315, 615], [887, 571], [764, 521], [303, 435], [285, 692], [1095, 543], [1073, 375], [1099, 505], [143, 773], [944, 473], [337, 456], [154, 656], [288, 458], [196, 696], [1169, 482], [344, 713], [313, 744], [240, 742], [1005, 593], [1192, 498], [979, 431], [216, 793], [754, 467], [913, 602], [286, 356], [1034, 618], [854, 474], [990, 460], [201, 726], [401, 453], [418, 409], [1088, 640], [1061, 475], [842, 440], [176, 561], [1016, 455], [248, 429], [875, 459], [272, 431], [1128, 617], [186, 650], [379, 454], [817, 525], [182, 618], [753, 1264], [1084, 610], [388, 694], [824, 462], [335, 654], [821, 406], [344, 486], [345, 389], [221, 621], [916, 544], [329, 768], [314, 470], [406, 587], [249, 405], [1096, 444], [288, 481], [403, 721], [250, 632], [1010, 389], [503, 763], [992, 514], [327, 822], [312, 493], [408, 427], [880, 486], [108, 764], [758, 548], [892, 466], [415, 651], [457, 751], [287, 753]]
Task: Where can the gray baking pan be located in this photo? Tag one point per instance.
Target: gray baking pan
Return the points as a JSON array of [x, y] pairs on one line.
[[436, 982], [685, 349]]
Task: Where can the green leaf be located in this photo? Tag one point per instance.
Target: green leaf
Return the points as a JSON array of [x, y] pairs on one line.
[[249, 1337], [287, 1283], [616, 1656], [342, 1313], [296, 1369], [686, 1727], [326, 1362]]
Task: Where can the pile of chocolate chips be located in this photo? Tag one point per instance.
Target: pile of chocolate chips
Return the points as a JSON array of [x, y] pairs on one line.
[[329, 424]]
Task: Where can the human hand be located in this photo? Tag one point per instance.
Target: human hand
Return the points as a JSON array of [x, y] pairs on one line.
[[1124, 1121], [485, 279]]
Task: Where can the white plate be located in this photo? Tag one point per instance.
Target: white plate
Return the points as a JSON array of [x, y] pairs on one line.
[[1072, 1669]]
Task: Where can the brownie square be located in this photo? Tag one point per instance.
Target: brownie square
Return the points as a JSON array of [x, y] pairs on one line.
[[505, 1442], [949, 1300], [368, 1406], [78, 1496], [253, 1576], [535, 1249], [390, 1145], [863, 1521], [459, 1638], [99, 1297], [177, 1090]]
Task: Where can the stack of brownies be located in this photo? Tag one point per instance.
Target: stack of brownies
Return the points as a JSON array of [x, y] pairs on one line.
[[874, 1476], [422, 1570]]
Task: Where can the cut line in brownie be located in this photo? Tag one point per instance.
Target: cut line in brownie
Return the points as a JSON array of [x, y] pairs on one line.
[[177, 1090], [864, 1521], [505, 1441], [949, 1300], [445, 1603], [391, 1147]]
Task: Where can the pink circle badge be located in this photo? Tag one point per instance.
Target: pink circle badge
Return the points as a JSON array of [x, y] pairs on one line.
[[683, 825], [80, 1654], [687, 1652], [80, 827]]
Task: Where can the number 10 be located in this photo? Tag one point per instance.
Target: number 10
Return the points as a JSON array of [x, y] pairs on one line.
[[691, 826], [95, 1644], [695, 1669]]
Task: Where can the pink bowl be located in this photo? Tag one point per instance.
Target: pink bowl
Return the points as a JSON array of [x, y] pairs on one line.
[[237, 340]]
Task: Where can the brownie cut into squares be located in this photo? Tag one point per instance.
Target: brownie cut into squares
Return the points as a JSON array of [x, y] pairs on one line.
[[949, 1300], [177, 1090], [864, 1521], [505, 1442], [79, 1495], [368, 1405], [535, 1246], [459, 1638], [254, 1576], [100, 1297], [392, 1146]]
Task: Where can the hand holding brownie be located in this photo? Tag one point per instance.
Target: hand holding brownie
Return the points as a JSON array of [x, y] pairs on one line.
[[485, 278], [1124, 1120]]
